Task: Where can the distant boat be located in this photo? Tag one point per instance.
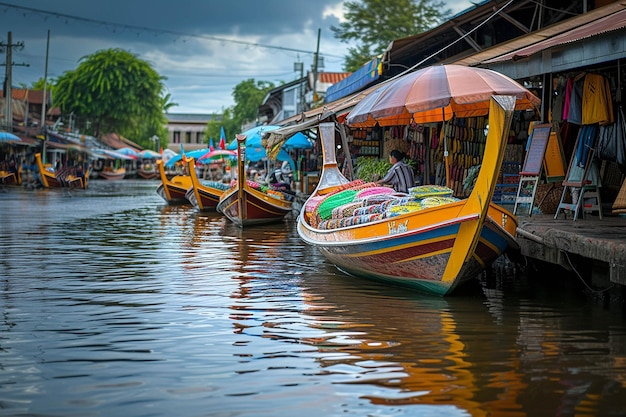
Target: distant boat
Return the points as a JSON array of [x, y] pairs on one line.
[[246, 204], [66, 178], [203, 195], [47, 174], [111, 173], [148, 171], [173, 190]]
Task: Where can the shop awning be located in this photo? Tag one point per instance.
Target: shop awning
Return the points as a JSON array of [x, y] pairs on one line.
[[113, 154], [312, 118], [578, 27], [358, 80], [604, 24]]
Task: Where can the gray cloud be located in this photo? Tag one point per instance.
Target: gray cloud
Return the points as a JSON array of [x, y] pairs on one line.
[[180, 39]]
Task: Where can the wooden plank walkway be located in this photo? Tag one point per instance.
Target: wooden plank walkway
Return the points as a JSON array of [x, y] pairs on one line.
[[594, 244]]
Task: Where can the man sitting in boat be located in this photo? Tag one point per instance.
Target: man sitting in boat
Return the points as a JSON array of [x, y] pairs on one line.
[[279, 182], [400, 176]]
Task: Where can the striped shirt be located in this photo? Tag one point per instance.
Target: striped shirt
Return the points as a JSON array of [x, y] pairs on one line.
[[400, 177]]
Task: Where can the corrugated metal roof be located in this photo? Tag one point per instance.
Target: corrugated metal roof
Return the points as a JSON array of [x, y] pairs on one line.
[[603, 25], [591, 23], [364, 76], [332, 77]]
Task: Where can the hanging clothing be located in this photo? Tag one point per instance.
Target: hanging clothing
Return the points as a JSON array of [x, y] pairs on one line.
[[597, 104], [558, 100], [568, 96], [586, 141], [569, 134], [575, 114]]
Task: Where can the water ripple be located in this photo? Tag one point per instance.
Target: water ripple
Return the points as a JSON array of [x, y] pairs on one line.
[[116, 304]]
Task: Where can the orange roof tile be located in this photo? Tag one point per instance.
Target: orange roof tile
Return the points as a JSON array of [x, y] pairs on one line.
[[332, 77]]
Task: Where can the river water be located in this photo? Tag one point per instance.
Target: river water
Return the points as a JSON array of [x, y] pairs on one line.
[[115, 304]]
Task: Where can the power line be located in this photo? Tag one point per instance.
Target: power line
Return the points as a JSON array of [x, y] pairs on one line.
[[156, 31]]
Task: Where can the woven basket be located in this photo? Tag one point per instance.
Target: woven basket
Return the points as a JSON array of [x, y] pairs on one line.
[[548, 197]]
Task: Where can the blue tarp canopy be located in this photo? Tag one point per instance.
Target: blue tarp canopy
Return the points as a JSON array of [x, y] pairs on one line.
[[9, 137], [297, 141], [253, 136], [357, 81], [257, 154], [191, 154]]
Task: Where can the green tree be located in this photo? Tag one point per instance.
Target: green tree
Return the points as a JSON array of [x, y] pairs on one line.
[[39, 84], [214, 126], [117, 92], [373, 24], [248, 96]]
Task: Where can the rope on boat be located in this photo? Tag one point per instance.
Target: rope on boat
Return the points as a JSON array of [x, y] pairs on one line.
[[529, 235]]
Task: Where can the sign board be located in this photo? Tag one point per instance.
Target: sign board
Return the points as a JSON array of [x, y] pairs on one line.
[[533, 163], [554, 159]]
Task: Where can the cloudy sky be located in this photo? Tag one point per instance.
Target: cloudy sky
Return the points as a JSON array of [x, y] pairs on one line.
[[204, 48]]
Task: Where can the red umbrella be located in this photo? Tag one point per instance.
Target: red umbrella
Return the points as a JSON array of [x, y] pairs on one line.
[[437, 93]]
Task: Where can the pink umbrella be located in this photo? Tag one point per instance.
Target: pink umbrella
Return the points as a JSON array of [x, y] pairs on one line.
[[217, 153]]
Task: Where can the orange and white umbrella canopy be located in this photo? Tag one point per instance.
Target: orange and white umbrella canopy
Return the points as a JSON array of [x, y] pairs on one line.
[[438, 93]]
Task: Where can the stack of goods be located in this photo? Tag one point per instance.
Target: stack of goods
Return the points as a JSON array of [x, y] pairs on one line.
[[270, 191], [364, 203]]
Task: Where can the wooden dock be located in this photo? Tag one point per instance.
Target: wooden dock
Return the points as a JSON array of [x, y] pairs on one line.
[[593, 248]]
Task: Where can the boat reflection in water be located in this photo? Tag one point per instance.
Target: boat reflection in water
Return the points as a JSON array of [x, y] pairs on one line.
[[448, 356], [419, 360], [367, 348]]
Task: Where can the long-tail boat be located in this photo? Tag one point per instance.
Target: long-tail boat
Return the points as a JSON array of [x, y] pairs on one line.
[[51, 179], [204, 196], [433, 249], [46, 174], [173, 190], [248, 203]]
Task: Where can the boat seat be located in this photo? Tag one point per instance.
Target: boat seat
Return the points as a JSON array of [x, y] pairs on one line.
[[7, 177]]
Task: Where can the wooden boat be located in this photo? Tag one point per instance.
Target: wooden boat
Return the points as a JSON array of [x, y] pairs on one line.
[[113, 174], [51, 179], [78, 181], [173, 190], [11, 177], [246, 204], [204, 196], [47, 175], [433, 249], [147, 170]]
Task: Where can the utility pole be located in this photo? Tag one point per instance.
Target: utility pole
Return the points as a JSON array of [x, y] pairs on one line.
[[299, 66], [8, 88], [315, 59], [45, 86], [43, 127]]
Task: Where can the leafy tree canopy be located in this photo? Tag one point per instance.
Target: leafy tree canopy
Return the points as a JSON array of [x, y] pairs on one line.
[[248, 96], [117, 92], [39, 84], [213, 127], [373, 24]]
